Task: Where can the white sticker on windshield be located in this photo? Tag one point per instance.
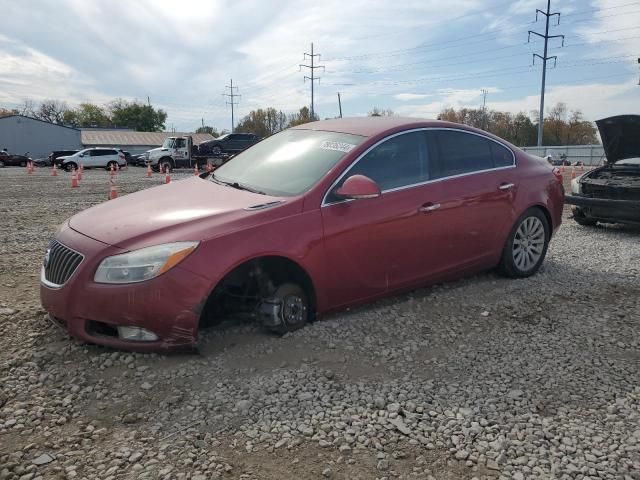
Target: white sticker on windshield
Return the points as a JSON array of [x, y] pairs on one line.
[[338, 146]]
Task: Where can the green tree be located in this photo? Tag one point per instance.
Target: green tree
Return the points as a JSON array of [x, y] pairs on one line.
[[138, 116], [210, 130], [87, 115], [303, 116], [263, 122]]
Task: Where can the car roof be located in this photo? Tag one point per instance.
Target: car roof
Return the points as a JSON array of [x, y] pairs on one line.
[[370, 126]]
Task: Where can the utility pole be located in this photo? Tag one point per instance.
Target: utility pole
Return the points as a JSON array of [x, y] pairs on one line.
[[484, 104], [544, 58], [340, 104], [231, 96], [313, 78]]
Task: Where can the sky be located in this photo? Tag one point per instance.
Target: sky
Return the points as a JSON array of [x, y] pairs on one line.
[[414, 57]]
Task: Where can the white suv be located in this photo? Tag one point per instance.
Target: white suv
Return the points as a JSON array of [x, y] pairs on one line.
[[94, 158]]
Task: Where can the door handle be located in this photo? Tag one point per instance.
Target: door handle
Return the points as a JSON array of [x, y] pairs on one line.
[[506, 186], [429, 207]]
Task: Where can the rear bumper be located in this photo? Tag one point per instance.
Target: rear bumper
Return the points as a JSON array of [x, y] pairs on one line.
[[169, 305], [606, 209]]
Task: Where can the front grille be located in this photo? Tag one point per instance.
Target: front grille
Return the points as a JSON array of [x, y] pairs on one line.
[[61, 264]]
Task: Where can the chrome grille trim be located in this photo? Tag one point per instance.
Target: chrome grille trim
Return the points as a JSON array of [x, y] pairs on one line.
[[63, 262]]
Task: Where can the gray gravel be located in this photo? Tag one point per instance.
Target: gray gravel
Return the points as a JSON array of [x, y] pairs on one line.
[[480, 378]]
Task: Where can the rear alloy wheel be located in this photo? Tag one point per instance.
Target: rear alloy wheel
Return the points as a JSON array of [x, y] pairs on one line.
[[216, 150], [113, 165], [69, 167], [526, 246], [294, 307]]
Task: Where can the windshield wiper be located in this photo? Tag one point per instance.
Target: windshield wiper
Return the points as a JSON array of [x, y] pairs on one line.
[[236, 185]]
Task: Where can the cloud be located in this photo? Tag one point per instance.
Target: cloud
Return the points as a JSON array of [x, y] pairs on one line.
[[404, 97]]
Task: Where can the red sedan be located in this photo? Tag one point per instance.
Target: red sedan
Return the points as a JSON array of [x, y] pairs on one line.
[[313, 219]]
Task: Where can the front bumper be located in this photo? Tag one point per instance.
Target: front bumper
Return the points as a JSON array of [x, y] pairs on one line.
[[606, 209], [168, 305]]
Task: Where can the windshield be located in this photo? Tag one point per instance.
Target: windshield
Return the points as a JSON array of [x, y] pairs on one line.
[[288, 163], [629, 161], [168, 142]]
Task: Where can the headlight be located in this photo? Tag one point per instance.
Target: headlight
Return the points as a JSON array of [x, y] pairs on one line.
[[143, 264], [576, 188]]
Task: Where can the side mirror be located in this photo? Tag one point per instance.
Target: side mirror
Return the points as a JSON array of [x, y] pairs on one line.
[[81, 155], [357, 187]]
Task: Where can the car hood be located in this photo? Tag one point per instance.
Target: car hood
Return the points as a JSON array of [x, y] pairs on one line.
[[192, 209], [620, 136]]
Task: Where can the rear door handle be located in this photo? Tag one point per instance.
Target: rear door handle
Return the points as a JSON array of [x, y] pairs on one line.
[[506, 186], [429, 207]]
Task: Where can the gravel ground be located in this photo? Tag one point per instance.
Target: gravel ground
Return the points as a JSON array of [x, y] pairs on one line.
[[480, 378]]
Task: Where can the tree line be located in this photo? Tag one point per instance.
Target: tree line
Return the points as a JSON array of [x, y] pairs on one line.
[[561, 126], [120, 113]]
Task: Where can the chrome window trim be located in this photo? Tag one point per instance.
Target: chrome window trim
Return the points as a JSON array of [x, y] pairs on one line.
[[426, 182], [49, 284]]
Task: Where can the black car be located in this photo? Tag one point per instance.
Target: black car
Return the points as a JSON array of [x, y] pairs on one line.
[[611, 193], [13, 160], [228, 143], [53, 156]]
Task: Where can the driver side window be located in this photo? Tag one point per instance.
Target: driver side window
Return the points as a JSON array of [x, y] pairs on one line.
[[398, 162]]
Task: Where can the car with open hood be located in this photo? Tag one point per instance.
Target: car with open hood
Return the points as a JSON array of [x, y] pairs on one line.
[[611, 193], [312, 219]]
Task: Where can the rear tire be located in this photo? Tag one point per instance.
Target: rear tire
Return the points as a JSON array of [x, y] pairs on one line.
[[216, 150], [294, 311], [23, 163], [165, 166], [112, 164], [526, 245], [69, 167], [1, 164]]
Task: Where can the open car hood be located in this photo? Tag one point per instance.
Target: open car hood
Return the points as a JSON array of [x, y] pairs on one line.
[[620, 136]]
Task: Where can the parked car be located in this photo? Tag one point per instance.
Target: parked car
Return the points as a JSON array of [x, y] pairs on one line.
[[611, 193], [139, 160], [228, 143], [42, 162], [93, 158], [128, 158], [313, 219], [56, 154], [13, 160]]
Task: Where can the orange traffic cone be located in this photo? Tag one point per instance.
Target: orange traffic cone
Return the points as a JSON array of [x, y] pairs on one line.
[[112, 171], [74, 179], [149, 172], [582, 167], [195, 170], [113, 191], [29, 168], [54, 172], [167, 177], [562, 168], [80, 170]]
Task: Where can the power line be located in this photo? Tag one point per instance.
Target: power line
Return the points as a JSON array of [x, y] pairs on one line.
[[544, 58], [312, 78], [231, 95]]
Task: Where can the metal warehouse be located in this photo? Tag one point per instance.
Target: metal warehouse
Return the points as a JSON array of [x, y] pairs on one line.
[[20, 134], [134, 142]]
